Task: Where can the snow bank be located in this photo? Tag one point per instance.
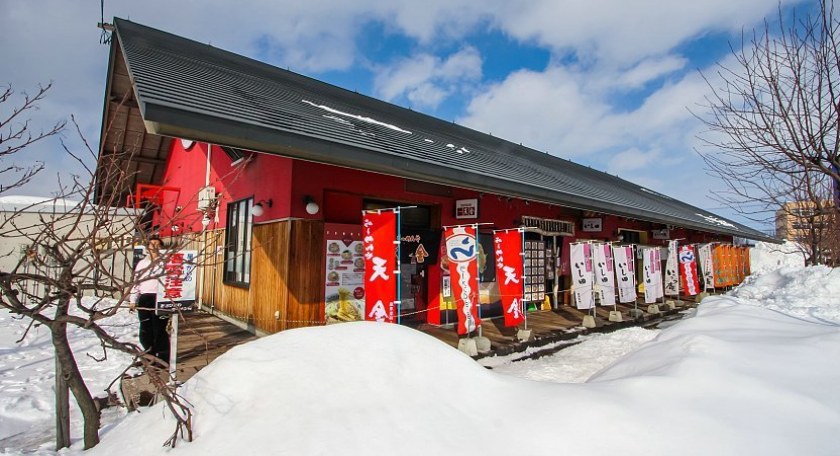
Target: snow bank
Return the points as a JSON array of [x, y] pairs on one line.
[[27, 371], [765, 256], [811, 293], [736, 379]]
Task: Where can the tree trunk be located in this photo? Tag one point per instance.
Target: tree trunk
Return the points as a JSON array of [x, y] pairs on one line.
[[62, 409], [73, 377]]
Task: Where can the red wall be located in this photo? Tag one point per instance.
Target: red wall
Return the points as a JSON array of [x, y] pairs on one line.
[[263, 177]]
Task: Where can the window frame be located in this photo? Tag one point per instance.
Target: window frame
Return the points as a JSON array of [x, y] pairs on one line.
[[238, 243]]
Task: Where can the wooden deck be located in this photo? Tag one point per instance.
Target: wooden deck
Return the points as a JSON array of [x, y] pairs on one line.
[[549, 326], [203, 337]]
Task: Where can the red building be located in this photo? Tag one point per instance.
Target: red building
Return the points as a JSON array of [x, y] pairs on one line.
[[294, 162]]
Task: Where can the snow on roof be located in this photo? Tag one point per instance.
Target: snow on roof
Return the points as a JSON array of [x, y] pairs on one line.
[[357, 117]]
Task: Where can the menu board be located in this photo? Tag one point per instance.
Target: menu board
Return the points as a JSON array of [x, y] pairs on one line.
[[535, 266], [345, 275]]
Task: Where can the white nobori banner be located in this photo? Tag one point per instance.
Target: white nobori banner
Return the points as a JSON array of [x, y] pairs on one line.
[[604, 278], [625, 271], [581, 262], [672, 273], [707, 265], [651, 274]]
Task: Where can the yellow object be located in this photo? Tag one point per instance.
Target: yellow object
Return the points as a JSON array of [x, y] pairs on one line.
[[546, 304]]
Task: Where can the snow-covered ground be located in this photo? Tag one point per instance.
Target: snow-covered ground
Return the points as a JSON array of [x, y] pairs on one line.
[[751, 373], [27, 374]]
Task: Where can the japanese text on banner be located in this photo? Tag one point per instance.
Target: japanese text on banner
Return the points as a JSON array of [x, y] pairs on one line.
[[508, 249], [379, 232], [462, 252]]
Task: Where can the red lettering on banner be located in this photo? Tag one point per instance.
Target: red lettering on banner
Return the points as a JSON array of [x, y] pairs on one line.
[[173, 281], [379, 231], [462, 252], [508, 248]]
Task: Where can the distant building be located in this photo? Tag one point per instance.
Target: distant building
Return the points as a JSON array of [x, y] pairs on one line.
[[811, 225], [24, 220]]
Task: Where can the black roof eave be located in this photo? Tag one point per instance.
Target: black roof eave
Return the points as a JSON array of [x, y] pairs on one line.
[[163, 119]]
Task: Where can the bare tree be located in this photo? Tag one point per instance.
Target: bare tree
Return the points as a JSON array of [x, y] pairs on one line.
[[773, 119], [76, 271], [16, 135]]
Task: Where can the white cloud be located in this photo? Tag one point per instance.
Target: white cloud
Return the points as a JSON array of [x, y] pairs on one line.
[[425, 79], [631, 159]]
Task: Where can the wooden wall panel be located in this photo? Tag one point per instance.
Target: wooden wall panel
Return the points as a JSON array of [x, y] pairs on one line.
[[306, 268], [269, 271], [287, 263]]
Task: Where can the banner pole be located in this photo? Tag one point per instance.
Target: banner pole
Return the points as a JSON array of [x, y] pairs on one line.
[[477, 279], [398, 267], [522, 288], [635, 279]]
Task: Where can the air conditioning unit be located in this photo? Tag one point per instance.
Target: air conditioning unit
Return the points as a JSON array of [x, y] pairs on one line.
[[207, 198]]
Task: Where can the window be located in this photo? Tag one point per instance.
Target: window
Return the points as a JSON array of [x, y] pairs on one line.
[[238, 243]]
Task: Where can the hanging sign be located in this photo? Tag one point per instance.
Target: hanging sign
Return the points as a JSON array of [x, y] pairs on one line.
[[661, 234], [581, 260], [604, 278], [652, 282], [462, 253], [178, 282], [625, 271], [591, 225], [380, 253], [508, 249], [466, 209], [688, 270], [672, 278]]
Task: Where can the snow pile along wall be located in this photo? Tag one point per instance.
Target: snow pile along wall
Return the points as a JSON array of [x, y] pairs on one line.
[[765, 256]]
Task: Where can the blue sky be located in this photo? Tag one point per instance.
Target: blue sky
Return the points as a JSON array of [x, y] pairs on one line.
[[611, 84]]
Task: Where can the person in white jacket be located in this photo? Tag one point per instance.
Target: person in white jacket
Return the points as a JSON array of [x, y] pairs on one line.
[[153, 324]]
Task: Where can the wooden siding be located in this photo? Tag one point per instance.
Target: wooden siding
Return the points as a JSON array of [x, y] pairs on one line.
[[306, 269], [287, 263]]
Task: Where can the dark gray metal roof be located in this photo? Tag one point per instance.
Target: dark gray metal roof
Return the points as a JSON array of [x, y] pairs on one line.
[[192, 90]]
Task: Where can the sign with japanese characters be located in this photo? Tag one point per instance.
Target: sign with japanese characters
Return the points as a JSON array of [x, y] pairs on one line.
[[651, 274], [604, 277], [581, 261], [672, 277], [178, 282], [379, 231], [509, 274], [462, 253], [466, 208], [661, 234], [625, 272], [688, 270], [707, 265], [591, 225]]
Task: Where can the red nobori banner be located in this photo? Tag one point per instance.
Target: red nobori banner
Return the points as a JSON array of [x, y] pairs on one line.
[[688, 270], [380, 233], [462, 252], [508, 248]]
